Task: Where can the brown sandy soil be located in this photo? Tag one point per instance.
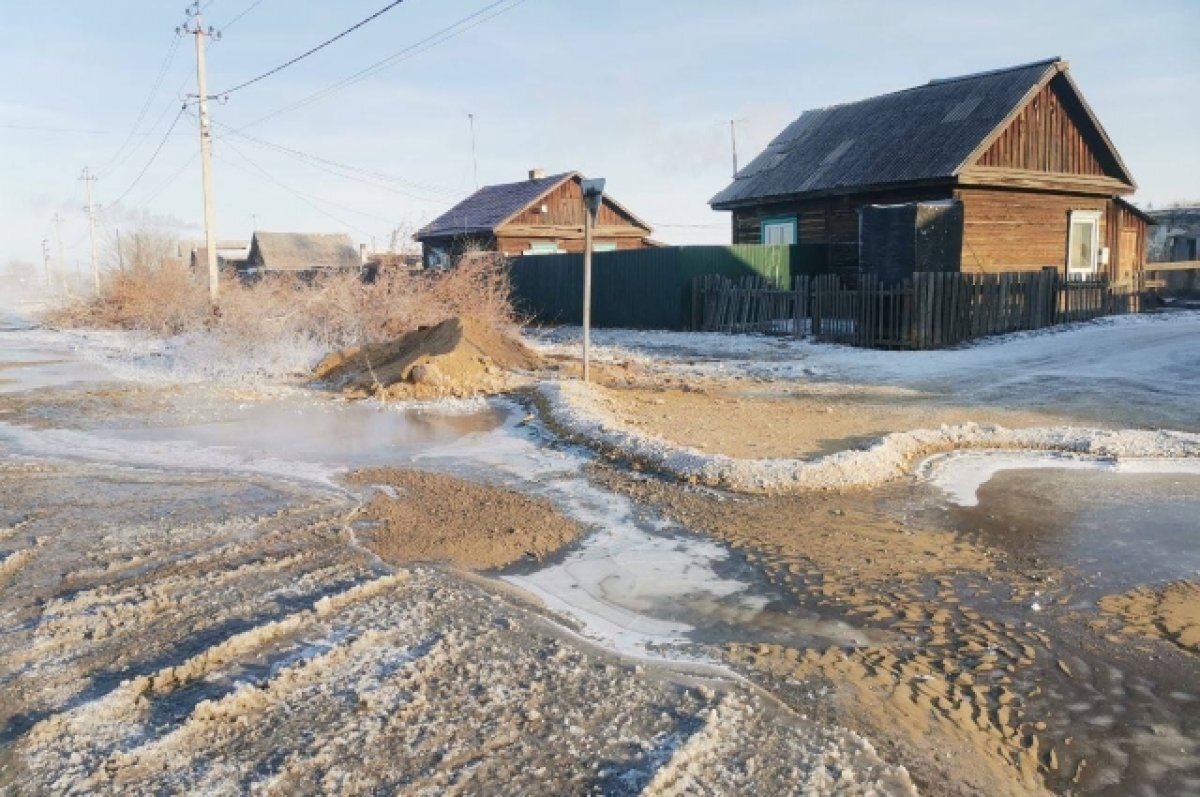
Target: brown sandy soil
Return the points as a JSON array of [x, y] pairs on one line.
[[1170, 612], [440, 518], [758, 420], [458, 357], [943, 698]]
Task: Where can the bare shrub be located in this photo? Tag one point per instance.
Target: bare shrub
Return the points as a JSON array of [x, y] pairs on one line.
[[154, 291], [292, 317]]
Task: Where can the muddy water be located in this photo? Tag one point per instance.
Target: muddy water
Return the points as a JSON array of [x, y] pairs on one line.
[[1125, 713], [634, 583]]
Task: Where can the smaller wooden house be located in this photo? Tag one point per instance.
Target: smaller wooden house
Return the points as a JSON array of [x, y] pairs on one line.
[[298, 253], [1174, 252], [541, 215]]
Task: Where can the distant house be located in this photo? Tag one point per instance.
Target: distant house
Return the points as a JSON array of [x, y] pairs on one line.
[[1010, 169], [301, 253], [229, 253], [540, 215], [1174, 251]]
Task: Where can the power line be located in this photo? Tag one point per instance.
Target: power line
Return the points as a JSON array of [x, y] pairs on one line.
[[411, 51], [319, 162], [319, 47], [170, 180], [78, 130], [311, 202], [157, 150], [162, 73], [248, 9]]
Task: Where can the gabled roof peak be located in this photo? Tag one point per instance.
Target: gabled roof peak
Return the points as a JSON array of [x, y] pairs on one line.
[[1000, 71]]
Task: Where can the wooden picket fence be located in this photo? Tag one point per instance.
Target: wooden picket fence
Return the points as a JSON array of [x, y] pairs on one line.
[[928, 311]]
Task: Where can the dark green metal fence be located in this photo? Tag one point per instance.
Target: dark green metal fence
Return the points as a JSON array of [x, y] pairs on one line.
[[647, 288]]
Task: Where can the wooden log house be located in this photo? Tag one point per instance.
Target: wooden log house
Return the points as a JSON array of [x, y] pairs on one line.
[[541, 215], [1039, 181]]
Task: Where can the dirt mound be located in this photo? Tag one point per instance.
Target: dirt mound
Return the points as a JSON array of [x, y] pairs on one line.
[[433, 517], [458, 357]]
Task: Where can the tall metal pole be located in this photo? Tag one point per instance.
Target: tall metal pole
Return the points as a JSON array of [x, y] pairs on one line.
[[210, 234], [733, 143], [587, 293], [593, 198], [120, 254], [88, 179], [474, 160]]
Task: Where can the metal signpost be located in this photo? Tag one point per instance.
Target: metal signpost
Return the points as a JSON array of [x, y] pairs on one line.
[[593, 196]]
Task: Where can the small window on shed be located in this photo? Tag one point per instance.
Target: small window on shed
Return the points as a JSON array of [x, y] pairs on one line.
[[608, 246]]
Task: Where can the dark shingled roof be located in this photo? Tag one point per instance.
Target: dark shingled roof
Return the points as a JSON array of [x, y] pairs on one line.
[[490, 206], [922, 133]]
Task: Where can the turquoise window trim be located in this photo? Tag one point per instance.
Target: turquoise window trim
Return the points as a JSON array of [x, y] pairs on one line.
[[792, 220], [604, 247]]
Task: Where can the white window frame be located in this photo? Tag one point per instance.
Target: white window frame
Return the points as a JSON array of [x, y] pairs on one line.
[[780, 222], [1092, 216], [541, 248]]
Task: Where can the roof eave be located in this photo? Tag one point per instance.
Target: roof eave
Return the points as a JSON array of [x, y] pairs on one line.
[[932, 182]]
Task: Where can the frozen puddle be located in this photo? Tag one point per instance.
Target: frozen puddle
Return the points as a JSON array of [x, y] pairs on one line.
[[961, 474], [1118, 524]]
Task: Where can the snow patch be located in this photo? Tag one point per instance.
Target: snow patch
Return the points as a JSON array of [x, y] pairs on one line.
[[587, 415]]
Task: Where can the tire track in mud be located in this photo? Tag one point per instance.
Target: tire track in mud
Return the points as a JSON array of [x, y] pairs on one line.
[[242, 641]]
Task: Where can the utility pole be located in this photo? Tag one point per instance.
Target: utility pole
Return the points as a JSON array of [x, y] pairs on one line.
[[120, 254], [198, 30], [88, 179], [474, 160], [46, 262], [62, 262]]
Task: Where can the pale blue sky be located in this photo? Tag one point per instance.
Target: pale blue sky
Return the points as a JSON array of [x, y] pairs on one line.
[[638, 92]]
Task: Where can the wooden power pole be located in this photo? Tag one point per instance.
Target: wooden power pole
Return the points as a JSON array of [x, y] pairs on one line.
[[46, 262], [88, 179], [198, 30]]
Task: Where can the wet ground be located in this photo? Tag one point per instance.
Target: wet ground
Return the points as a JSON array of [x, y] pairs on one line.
[[181, 593]]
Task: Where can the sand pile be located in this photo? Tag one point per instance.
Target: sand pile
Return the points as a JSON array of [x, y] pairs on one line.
[[458, 357], [432, 517]]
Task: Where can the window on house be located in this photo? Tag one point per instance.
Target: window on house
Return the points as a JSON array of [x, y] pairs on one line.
[[781, 231], [604, 247], [543, 248], [437, 257], [1083, 242]]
